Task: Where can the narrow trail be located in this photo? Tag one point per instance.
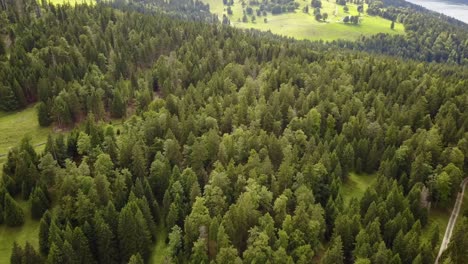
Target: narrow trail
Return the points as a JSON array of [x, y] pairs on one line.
[[452, 221]]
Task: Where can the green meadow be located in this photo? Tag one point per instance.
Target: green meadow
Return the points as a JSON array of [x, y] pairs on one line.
[[16, 125], [302, 25], [355, 185], [29, 231], [71, 2]]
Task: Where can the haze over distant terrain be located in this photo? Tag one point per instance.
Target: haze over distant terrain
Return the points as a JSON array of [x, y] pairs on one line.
[[454, 8]]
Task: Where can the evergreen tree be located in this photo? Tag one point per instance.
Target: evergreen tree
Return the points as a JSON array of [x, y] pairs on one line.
[[14, 215], [31, 256], [44, 233], [118, 107], [43, 114], [39, 203], [136, 259], [55, 255], [17, 254], [334, 254], [133, 232]]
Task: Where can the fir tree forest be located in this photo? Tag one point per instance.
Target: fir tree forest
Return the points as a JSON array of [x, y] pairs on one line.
[[237, 146]]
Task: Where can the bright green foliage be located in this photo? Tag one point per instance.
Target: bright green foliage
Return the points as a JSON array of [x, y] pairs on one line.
[[136, 259], [334, 253], [245, 147]]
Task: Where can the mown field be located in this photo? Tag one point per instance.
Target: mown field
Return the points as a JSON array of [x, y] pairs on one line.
[[302, 25]]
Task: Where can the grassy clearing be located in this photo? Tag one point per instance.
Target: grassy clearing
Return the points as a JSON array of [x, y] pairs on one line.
[[71, 2], [355, 185], [160, 249], [440, 217], [301, 25], [14, 126], [28, 232]]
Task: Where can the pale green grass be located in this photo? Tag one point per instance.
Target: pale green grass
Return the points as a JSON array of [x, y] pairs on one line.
[[29, 231], [440, 217], [355, 185], [14, 126], [301, 25], [159, 253], [71, 2]]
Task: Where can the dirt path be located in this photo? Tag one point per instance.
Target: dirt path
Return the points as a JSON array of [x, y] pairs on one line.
[[452, 221]]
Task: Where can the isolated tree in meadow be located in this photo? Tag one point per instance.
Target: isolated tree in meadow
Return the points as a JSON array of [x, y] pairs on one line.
[[360, 8], [346, 19], [392, 26], [325, 16], [316, 4]]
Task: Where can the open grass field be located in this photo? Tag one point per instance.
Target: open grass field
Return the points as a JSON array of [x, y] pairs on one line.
[[356, 185], [301, 25], [14, 126], [71, 2], [160, 249], [28, 232]]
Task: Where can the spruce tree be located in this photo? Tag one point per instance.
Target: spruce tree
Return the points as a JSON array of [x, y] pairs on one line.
[[30, 255], [136, 259], [43, 114], [39, 203], [55, 255], [14, 215], [334, 254], [118, 107], [16, 254], [44, 233], [81, 246], [106, 243], [133, 232]]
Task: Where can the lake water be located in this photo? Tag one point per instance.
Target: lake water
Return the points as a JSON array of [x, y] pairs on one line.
[[454, 8]]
